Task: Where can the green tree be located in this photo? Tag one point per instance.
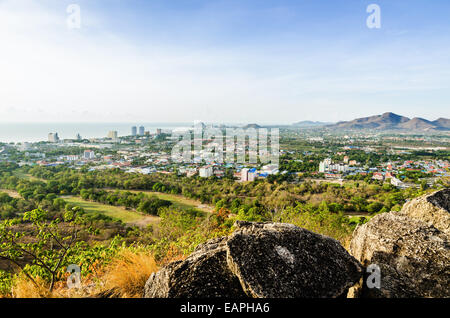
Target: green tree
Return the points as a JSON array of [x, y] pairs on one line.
[[49, 250]]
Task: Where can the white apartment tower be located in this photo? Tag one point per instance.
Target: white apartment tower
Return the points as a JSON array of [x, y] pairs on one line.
[[206, 172]]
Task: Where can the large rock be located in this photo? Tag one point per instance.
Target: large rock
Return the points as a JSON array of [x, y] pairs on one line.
[[433, 209], [203, 274], [282, 260], [260, 260], [413, 256]]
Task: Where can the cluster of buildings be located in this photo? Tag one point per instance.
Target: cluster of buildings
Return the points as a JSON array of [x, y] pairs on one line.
[[53, 137], [386, 172], [126, 153], [327, 166], [134, 131], [112, 135], [252, 174]]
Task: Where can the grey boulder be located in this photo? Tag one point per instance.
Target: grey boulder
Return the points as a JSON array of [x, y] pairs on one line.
[[203, 274], [413, 257], [275, 260], [432, 209], [260, 260]]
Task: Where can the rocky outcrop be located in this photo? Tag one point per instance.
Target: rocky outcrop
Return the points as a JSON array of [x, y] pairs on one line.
[[282, 260], [203, 274], [260, 260], [411, 248], [433, 209]]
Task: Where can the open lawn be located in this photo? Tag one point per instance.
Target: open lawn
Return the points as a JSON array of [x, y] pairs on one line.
[[21, 175], [120, 213], [179, 201]]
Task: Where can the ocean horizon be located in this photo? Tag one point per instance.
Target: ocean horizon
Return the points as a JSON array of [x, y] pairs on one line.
[[35, 132]]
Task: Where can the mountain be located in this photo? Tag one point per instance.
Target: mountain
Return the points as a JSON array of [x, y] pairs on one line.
[[417, 124], [256, 126], [388, 121], [442, 123], [308, 123], [384, 121]]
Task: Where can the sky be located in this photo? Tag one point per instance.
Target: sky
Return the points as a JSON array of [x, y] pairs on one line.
[[233, 61]]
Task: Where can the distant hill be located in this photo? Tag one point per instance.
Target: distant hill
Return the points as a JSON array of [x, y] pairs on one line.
[[388, 121], [442, 123], [256, 126], [307, 123], [417, 124]]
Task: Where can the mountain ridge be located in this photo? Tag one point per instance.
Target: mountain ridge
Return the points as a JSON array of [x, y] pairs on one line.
[[389, 120]]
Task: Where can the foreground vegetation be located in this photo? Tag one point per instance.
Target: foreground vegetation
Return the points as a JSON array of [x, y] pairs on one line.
[[56, 217]]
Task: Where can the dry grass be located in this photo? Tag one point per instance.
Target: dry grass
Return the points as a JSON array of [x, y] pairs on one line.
[[126, 275], [23, 287]]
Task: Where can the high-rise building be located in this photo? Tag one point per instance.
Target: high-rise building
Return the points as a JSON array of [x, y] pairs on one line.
[[158, 131], [133, 131], [78, 137], [112, 135], [141, 131], [53, 137]]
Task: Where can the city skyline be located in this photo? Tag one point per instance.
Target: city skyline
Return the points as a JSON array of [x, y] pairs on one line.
[[269, 62]]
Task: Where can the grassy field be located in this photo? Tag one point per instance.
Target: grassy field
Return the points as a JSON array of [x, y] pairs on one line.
[[179, 201], [21, 175], [120, 213]]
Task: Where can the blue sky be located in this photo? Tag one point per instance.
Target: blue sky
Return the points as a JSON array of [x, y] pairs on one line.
[[223, 61]]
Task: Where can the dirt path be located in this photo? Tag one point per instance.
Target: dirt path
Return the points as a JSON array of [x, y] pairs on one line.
[[11, 193]]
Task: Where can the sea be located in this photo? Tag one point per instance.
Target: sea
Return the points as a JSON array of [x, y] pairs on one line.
[[35, 132]]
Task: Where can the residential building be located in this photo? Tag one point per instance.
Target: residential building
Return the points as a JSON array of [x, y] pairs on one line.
[[70, 157], [191, 172], [53, 137], [396, 182], [206, 172], [141, 131], [89, 154], [248, 175], [378, 176], [133, 131], [270, 169], [24, 146], [328, 166]]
